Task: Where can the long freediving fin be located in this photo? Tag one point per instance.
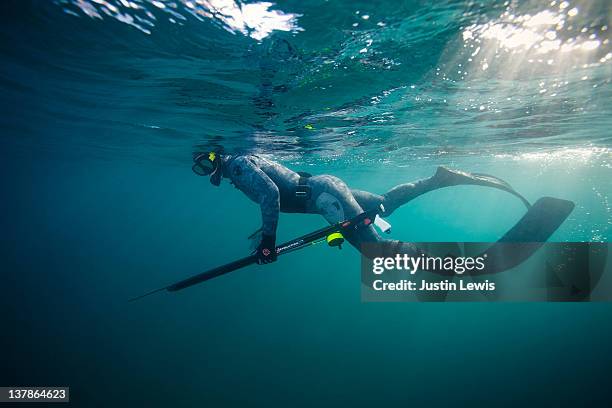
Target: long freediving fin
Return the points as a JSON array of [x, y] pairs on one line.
[[448, 177], [541, 221], [526, 237]]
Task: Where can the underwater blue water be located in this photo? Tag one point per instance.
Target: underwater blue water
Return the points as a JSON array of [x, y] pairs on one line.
[[104, 101]]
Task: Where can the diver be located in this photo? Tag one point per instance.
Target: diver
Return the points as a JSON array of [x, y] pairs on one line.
[[352, 214], [278, 189]]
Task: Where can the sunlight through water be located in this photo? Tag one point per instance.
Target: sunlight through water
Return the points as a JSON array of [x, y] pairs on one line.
[[256, 20], [561, 37]]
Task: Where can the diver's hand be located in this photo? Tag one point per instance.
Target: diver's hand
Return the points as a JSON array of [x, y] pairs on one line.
[[266, 251]]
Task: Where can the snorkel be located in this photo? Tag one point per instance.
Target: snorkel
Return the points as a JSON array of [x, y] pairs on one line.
[[217, 174]]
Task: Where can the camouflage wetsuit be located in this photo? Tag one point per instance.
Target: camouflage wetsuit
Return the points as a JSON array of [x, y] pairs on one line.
[[273, 186]]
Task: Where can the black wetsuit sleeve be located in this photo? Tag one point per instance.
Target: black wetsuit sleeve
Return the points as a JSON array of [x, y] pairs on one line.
[[252, 181]]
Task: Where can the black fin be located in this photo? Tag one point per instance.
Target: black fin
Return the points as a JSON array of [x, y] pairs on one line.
[[526, 237], [450, 177], [541, 221]]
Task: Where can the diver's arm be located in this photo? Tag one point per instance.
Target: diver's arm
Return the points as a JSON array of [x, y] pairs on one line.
[[261, 189]]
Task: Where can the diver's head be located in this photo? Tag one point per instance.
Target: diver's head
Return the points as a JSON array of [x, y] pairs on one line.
[[209, 164]]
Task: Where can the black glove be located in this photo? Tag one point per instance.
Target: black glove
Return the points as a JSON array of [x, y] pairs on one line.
[[266, 251]]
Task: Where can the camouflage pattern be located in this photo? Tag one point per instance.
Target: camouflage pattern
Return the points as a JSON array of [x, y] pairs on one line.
[[265, 182]]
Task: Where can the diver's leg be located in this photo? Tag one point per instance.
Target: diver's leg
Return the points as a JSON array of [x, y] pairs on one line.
[[367, 200], [444, 177], [332, 198], [403, 193], [335, 201]]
